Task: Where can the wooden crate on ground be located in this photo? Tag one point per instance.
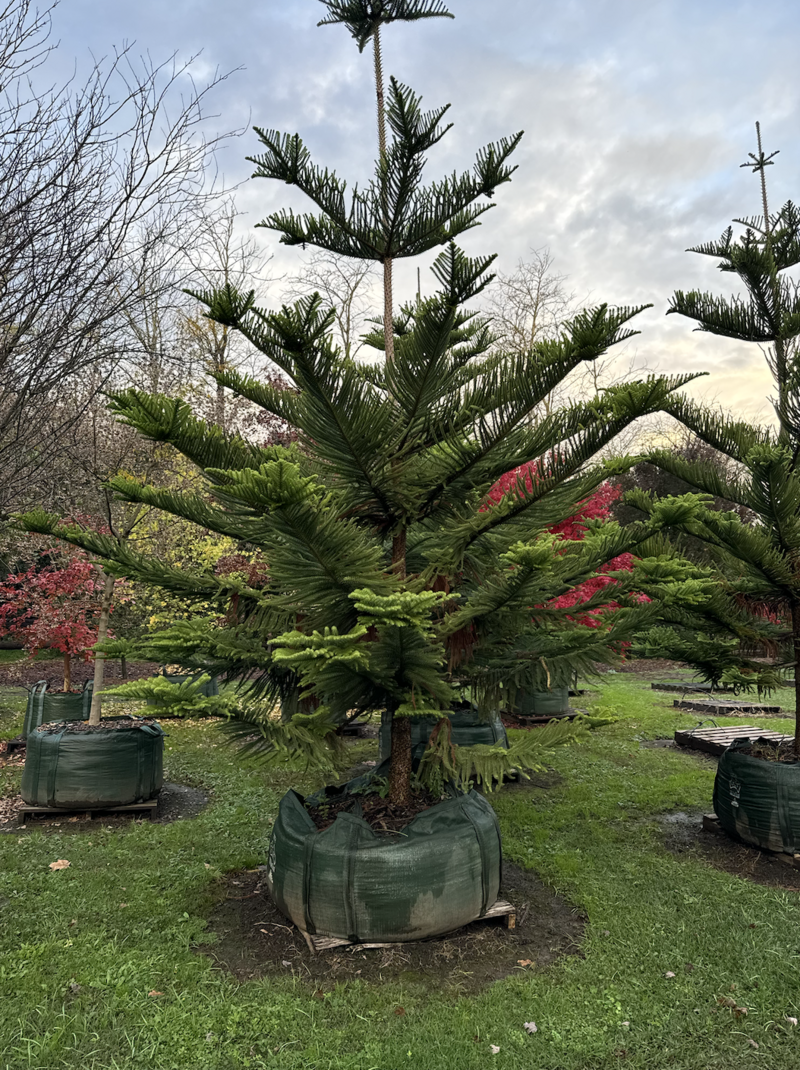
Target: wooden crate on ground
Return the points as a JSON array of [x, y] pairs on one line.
[[715, 740]]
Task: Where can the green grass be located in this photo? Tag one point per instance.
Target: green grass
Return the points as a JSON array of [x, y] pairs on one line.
[[595, 838]]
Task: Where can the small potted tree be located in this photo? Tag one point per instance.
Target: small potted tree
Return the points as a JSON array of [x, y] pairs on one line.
[[62, 602], [54, 605], [389, 589]]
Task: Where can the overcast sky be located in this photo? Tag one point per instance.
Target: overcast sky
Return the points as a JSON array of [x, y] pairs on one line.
[[637, 114]]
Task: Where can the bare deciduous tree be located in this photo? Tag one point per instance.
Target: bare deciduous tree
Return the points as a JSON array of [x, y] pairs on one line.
[[93, 178], [345, 285]]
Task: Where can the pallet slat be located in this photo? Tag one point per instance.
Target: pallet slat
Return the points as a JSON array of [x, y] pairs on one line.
[[715, 740], [726, 708], [148, 808], [501, 909]]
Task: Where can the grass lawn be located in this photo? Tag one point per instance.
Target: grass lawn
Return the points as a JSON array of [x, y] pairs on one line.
[[102, 964]]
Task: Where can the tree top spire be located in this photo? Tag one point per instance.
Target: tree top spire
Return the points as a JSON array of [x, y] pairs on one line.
[[364, 18]]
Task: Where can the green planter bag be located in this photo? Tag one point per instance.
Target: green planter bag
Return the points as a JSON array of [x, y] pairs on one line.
[[757, 800], [94, 767], [469, 728], [442, 871], [552, 703], [44, 706]]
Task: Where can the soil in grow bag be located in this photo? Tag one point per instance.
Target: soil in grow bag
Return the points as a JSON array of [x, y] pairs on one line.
[[350, 880], [469, 728], [72, 764], [44, 706], [757, 794]]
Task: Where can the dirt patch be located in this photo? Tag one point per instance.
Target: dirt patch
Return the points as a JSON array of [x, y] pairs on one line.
[[255, 940], [684, 835], [176, 802], [647, 667]]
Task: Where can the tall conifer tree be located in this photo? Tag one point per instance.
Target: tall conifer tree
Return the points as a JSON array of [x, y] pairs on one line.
[[388, 586], [762, 558]]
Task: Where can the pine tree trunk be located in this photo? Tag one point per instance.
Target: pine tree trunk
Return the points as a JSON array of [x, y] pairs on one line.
[[400, 762], [796, 645], [67, 672], [100, 658], [388, 328]]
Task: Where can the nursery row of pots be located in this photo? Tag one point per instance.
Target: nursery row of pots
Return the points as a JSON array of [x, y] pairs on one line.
[[347, 881]]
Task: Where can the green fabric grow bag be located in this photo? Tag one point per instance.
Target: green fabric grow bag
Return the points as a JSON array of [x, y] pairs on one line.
[[552, 703], [44, 705], [757, 800], [111, 767], [441, 872], [469, 728]]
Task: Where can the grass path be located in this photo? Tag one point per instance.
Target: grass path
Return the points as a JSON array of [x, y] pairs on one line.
[[81, 950]]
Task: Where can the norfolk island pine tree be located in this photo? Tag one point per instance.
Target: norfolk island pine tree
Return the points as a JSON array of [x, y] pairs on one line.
[[760, 561], [388, 587]]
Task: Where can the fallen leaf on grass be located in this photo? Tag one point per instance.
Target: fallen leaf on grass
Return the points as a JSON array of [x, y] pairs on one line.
[[725, 1001], [493, 1048], [669, 973], [524, 962], [285, 962], [740, 1012], [752, 1043], [62, 863], [153, 992], [400, 1011], [791, 1021], [530, 1027]]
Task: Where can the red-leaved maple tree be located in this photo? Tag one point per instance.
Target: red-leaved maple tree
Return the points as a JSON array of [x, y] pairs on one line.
[[54, 605], [596, 507]]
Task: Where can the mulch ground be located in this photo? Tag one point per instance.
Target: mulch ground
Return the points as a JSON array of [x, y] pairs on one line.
[[255, 940], [26, 672]]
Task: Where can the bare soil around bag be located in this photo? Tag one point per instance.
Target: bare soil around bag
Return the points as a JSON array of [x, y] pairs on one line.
[[176, 802], [685, 837], [255, 940]]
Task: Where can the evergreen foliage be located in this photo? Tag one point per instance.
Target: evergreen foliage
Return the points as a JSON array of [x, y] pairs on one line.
[[389, 586], [760, 580]]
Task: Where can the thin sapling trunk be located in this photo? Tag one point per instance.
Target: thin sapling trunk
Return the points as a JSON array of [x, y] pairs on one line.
[[99, 657], [67, 672]]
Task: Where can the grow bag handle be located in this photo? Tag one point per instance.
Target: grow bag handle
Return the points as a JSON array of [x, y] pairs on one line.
[[51, 779]]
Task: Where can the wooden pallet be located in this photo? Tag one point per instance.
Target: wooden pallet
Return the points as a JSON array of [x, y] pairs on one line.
[[501, 909], [715, 740], [684, 685], [142, 808], [725, 708]]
